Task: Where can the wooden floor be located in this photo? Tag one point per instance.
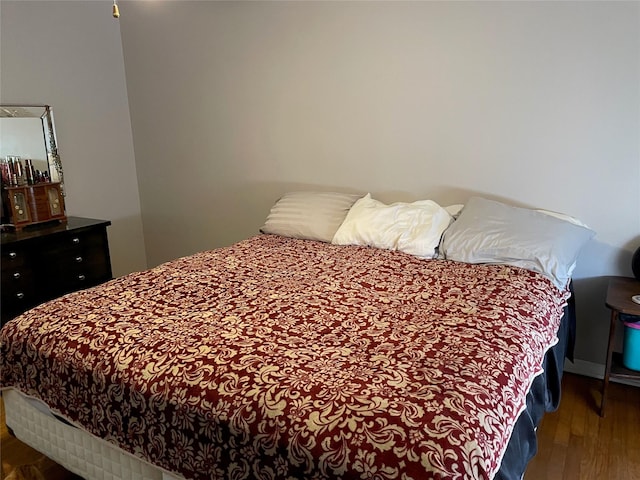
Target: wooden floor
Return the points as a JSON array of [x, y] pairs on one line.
[[574, 442]]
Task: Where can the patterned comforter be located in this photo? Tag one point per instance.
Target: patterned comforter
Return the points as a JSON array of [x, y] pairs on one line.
[[278, 358]]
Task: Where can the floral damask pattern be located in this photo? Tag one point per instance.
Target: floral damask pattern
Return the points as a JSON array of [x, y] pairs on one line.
[[278, 358]]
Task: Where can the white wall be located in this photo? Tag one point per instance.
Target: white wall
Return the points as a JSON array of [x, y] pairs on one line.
[[234, 103], [69, 55]]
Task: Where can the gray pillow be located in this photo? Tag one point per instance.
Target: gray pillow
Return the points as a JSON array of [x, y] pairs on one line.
[[309, 215], [491, 232]]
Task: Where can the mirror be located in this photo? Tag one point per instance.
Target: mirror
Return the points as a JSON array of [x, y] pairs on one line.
[[27, 132]]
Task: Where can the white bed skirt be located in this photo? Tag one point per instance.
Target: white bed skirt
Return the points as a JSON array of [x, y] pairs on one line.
[[75, 449]]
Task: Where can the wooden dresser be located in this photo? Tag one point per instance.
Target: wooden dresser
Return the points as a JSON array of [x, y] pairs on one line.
[[43, 263]]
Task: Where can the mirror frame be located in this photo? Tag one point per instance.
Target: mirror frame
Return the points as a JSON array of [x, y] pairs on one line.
[[45, 112]]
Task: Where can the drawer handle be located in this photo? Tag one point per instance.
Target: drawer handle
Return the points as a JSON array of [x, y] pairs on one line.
[[79, 259], [16, 275], [75, 240], [81, 277], [13, 255], [19, 295]]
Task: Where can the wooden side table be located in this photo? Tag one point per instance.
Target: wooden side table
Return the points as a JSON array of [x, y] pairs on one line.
[[619, 294]]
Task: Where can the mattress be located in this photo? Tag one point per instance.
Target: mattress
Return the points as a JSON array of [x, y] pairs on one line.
[[279, 357], [78, 451]]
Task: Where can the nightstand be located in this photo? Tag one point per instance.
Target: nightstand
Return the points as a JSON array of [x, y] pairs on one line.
[[619, 294]]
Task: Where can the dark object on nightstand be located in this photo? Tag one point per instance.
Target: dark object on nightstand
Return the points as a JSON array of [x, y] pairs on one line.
[[619, 294], [635, 264], [43, 262]]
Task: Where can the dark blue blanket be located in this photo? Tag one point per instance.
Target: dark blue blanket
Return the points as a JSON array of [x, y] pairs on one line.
[[544, 396]]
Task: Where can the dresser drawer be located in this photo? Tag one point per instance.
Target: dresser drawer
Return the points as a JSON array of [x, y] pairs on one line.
[[18, 293], [44, 263], [90, 257], [13, 256], [16, 278], [75, 261]]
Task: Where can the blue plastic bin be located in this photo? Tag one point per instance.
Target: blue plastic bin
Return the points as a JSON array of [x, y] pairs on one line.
[[631, 346]]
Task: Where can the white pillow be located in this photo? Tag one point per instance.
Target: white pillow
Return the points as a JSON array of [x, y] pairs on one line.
[[414, 228], [309, 215], [492, 232], [454, 210]]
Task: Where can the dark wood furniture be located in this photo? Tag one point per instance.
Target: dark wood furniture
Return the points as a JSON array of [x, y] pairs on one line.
[[619, 294], [45, 261]]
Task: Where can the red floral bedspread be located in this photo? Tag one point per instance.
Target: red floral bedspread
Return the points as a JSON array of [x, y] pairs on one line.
[[278, 358]]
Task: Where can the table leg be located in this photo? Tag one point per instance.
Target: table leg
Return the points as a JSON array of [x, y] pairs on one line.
[[607, 367]]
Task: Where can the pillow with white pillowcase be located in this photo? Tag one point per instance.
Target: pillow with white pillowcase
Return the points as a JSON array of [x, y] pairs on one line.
[[413, 228]]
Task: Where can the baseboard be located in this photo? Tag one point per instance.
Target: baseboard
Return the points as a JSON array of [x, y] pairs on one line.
[[594, 370]]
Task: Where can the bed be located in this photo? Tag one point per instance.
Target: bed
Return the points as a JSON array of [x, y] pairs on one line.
[[287, 356]]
